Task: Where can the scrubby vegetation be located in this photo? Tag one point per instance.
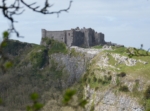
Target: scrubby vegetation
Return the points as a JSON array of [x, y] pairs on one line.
[[74, 53], [147, 99], [118, 50], [124, 88], [122, 74], [147, 93], [32, 72], [98, 46], [94, 81], [15, 48], [38, 57], [55, 46], [147, 106], [35, 70]]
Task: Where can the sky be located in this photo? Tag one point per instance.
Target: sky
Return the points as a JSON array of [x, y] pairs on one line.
[[125, 22]]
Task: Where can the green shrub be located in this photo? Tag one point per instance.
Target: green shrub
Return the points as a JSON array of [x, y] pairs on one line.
[[36, 106], [123, 88], [89, 80], [55, 46], [122, 74], [104, 81], [73, 52], [68, 95], [100, 80], [38, 59], [147, 106], [117, 81], [109, 78], [96, 88], [147, 93], [94, 79]]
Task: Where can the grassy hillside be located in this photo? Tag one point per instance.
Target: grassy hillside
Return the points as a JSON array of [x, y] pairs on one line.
[[110, 72], [132, 80]]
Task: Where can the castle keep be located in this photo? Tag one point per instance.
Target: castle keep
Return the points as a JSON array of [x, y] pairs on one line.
[[76, 37]]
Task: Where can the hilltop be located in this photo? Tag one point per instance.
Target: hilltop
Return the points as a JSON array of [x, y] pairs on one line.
[[105, 75]]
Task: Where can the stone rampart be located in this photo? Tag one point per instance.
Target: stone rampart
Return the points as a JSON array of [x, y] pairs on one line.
[[76, 37]]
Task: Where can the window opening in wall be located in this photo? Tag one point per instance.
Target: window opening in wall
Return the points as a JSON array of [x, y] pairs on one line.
[[69, 34]]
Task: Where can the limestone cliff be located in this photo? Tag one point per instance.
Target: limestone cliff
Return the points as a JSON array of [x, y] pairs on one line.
[[105, 76]]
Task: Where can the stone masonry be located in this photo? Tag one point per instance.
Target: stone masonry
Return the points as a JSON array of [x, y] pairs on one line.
[[76, 37]]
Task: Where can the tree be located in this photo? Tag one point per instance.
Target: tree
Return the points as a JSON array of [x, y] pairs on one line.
[[15, 8]]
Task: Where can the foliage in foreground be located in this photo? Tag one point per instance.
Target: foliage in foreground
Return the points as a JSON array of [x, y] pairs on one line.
[[68, 96], [5, 61], [36, 106]]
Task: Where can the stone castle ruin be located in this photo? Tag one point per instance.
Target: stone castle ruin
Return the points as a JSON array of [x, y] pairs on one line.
[[76, 37]]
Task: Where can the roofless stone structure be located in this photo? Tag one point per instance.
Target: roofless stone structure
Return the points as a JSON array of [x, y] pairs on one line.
[[76, 37]]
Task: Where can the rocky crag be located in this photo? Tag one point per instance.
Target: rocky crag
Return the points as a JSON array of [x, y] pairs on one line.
[[105, 76]]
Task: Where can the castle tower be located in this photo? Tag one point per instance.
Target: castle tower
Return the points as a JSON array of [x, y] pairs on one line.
[[75, 37]]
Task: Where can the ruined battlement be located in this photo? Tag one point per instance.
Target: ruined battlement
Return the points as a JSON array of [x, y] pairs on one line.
[[76, 37]]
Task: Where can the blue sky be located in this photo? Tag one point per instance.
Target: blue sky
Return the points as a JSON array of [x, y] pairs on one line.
[[124, 22]]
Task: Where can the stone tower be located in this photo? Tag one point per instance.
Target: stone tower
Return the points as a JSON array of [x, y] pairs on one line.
[[76, 37]]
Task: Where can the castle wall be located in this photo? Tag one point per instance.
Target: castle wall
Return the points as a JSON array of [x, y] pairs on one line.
[[99, 39], [78, 38], [56, 35], [86, 38], [43, 33], [102, 39], [91, 37], [69, 37]]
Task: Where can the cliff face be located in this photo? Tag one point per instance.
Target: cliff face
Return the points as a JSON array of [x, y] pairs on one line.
[[106, 77]]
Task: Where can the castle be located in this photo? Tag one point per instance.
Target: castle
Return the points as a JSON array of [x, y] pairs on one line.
[[76, 37]]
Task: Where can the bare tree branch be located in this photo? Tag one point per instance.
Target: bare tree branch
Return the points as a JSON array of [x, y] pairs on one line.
[[9, 11]]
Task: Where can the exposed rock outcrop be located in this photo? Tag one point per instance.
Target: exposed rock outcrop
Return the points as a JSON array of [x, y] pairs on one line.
[[126, 60], [106, 77]]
